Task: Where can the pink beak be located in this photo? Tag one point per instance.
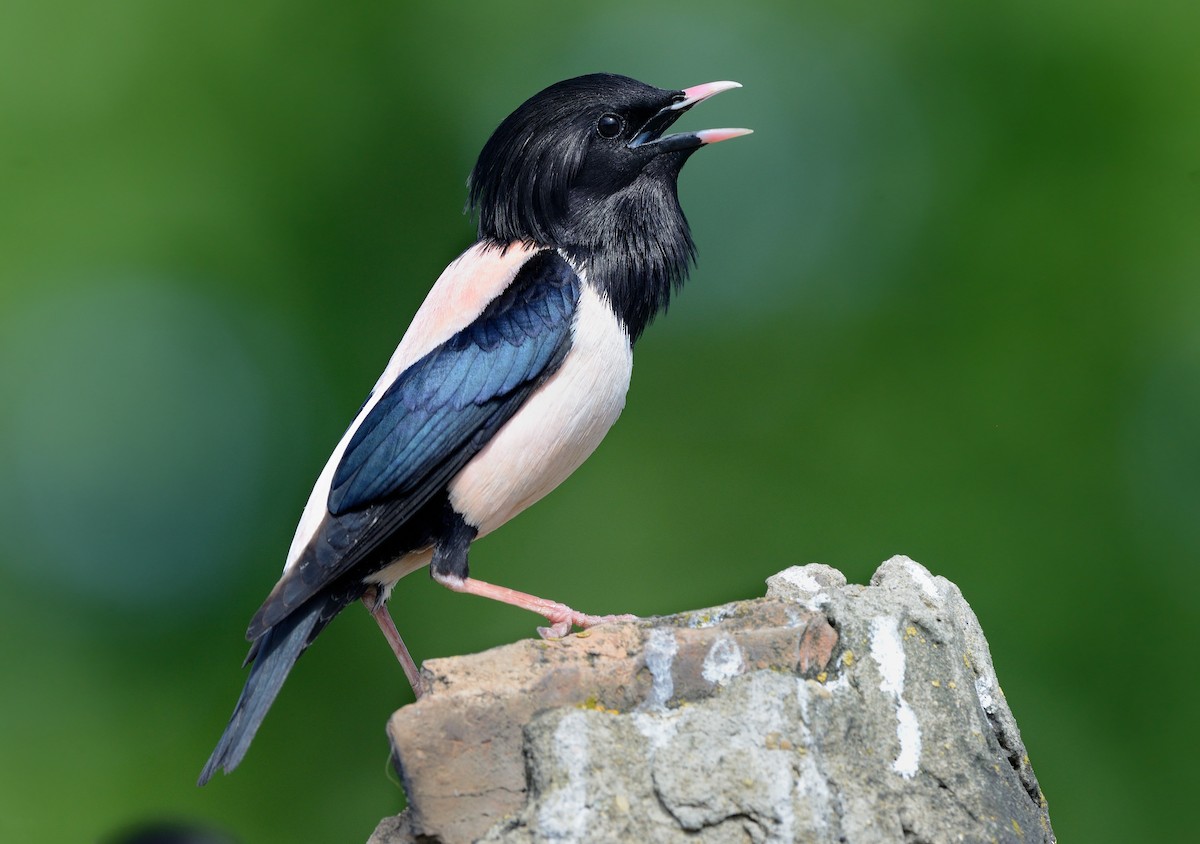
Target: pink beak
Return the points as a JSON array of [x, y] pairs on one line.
[[652, 131]]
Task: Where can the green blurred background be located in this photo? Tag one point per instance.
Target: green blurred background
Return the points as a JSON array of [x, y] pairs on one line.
[[946, 305]]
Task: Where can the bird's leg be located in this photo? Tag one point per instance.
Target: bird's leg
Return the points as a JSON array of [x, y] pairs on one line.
[[561, 617], [378, 609], [449, 568]]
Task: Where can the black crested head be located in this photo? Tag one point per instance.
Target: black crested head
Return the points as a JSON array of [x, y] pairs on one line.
[[585, 166]]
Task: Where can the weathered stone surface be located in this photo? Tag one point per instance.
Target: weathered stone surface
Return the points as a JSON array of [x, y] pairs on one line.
[[825, 712], [799, 583]]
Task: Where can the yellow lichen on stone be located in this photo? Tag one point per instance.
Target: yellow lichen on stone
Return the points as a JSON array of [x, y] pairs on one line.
[[937, 684], [848, 658], [592, 704], [822, 677], [1017, 828]]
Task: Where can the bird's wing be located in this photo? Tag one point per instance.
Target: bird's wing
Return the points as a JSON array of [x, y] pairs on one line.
[[438, 404], [430, 421]]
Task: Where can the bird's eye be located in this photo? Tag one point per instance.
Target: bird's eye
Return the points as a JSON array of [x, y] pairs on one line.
[[609, 125]]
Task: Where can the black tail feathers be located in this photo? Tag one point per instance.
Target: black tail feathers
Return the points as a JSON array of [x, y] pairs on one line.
[[273, 656]]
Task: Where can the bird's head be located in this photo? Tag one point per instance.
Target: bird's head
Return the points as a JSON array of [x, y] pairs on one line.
[[586, 166]]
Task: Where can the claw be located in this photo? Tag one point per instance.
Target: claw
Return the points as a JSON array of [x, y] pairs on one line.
[[569, 618], [556, 631]]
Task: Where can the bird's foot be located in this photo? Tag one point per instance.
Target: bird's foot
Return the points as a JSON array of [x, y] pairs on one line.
[[561, 617]]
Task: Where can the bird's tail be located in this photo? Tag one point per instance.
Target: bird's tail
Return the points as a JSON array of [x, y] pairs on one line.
[[273, 656]]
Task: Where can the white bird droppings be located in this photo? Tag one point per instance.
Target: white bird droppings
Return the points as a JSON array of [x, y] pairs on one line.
[[723, 662], [661, 648], [801, 579], [887, 649], [564, 814], [984, 684], [922, 578], [658, 728], [909, 733]]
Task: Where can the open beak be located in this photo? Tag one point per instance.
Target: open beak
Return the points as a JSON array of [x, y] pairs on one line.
[[651, 133]]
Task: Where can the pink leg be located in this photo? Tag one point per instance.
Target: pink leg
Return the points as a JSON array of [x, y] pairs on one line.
[[561, 617], [379, 612]]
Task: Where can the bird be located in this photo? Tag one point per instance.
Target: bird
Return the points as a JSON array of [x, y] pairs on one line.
[[510, 374]]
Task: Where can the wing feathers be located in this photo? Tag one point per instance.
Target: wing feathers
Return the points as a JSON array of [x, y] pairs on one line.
[[427, 425], [436, 405]]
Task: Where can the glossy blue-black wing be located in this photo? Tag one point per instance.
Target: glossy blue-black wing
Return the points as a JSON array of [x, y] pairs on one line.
[[434, 409], [436, 416]]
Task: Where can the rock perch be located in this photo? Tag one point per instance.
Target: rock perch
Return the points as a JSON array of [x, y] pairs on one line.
[[824, 712]]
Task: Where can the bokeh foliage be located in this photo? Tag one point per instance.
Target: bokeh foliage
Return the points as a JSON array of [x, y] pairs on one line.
[[946, 305]]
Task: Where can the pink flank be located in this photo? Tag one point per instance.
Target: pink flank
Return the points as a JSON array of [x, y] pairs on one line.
[[464, 289]]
